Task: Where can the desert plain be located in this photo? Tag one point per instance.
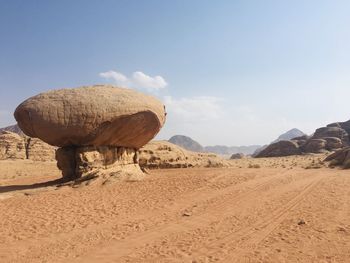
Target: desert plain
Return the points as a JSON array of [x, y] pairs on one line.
[[284, 209]]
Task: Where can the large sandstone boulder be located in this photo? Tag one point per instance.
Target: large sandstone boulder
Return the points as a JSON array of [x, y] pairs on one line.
[[99, 128], [281, 148], [12, 146], [163, 154], [95, 115]]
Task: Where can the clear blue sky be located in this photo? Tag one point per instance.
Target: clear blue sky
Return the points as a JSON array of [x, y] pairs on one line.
[[237, 72]]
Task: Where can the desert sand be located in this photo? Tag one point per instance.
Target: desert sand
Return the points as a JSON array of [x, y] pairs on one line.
[[289, 209]]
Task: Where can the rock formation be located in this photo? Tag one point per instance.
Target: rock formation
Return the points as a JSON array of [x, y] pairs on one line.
[[336, 132], [236, 156], [333, 143], [163, 154], [95, 115], [340, 158], [281, 148], [37, 150], [12, 146], [344, 125], [314, 146], [287, 136], [99, 128], [333, 137]]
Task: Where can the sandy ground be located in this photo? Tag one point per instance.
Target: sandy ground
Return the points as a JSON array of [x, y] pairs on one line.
[[278, 210]]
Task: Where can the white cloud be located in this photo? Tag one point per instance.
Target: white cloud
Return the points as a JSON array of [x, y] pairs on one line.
[[117, 77], [194, 109], [138, 80]]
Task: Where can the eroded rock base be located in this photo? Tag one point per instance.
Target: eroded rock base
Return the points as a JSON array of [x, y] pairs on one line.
[[106, 163]]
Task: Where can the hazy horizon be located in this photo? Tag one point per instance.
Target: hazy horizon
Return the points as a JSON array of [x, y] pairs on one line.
[[230, 73]]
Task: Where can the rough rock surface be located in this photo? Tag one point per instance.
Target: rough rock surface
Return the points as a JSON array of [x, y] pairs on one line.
[[37, 150], [281, 148], [333, 143], [301, 138], [340, 158], [93, 115], [332, 132], [315, 146], [12, 146], [334, 136], [344, 125], [103, 162], [163, 154], [237, 156]]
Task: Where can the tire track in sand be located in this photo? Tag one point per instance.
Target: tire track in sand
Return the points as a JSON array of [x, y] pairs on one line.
[[247, 238], [118, 249]]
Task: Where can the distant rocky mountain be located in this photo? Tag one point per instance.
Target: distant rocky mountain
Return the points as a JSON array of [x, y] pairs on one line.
[[229, 150], [186, 143], [13, 128], [293, 133], [191, 145]]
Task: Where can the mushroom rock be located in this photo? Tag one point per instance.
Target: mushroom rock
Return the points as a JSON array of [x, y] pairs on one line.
[[99, 128], [95, 115]]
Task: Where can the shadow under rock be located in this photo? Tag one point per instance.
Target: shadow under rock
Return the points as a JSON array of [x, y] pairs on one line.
[[11, 188]]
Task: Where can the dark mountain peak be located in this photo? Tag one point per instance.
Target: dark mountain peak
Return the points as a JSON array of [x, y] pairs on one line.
[[13, 128], [186, 143], [293, 133]]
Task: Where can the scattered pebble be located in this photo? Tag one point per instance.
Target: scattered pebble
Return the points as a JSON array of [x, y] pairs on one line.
[[187, 214], [301, 222]]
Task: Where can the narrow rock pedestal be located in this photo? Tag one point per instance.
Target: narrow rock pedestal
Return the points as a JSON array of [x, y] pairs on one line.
[[102, 162]]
